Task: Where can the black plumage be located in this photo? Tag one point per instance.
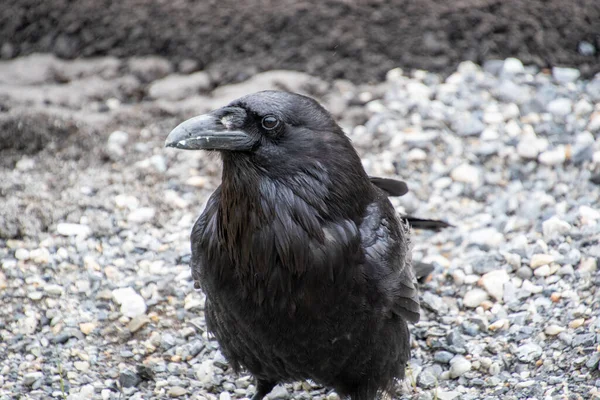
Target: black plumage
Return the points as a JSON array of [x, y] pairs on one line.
[[305, 266]]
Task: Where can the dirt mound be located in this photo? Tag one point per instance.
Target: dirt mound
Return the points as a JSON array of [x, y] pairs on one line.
[[358, 40]]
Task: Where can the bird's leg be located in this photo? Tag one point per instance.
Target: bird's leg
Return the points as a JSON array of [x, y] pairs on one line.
[[263, 388]]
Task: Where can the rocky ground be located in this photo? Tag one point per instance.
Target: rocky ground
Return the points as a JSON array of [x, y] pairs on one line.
[[95, 215]]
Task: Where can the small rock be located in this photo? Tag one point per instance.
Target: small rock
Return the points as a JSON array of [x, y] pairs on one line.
[[468, 125], [583, 107], [126, 201], [456, 340], [177, 391], [227, 396], [22, 254], [82, 366], [588, 265], [594, 124], [553, 330], [128, 378], [593, 361], [443, 356], [494, 369], [466, 173], [499, 324], [474, 297], [553, 157], [132, 304], [25, 164], [529, 352], [459, 366], [279, 392], [555, 227], [54, 290], [565, 75], [137, 323], [588, 214], [584, 340], [35, 296], [486, 236], [67, 229], [442, 395], [116, 145], [426, 379], [40, 256], [31, 377], [512, 259], [585, 48], [416, 155], [560, 107], [524, 272], [512, 66], [141, 215], [493, 282], [542, 271], [537, 260], [87, 327], [205, 372], [197, 181]]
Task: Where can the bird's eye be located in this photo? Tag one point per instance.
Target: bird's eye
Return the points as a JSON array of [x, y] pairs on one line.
[[270, 122]]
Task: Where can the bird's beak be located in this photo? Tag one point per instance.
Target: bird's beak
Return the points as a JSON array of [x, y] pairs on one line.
[[207, 132]]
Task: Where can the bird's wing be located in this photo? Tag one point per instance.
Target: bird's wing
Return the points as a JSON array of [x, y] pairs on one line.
[[385, 242]]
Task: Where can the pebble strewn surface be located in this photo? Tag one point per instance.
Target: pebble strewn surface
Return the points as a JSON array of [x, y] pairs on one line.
[[95, 289]]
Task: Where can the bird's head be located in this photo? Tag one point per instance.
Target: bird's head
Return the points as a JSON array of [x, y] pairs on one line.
[[273, 130]]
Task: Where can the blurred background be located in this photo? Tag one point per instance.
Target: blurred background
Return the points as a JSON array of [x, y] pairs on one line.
[[489, 109]]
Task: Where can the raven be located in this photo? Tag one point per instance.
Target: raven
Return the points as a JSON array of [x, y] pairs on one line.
[[305, 266]]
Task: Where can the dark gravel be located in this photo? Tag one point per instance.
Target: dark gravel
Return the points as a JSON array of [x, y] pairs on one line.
[[358, 40]]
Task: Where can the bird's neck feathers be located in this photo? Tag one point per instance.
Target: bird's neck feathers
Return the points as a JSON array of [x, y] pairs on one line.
[[263, 217]]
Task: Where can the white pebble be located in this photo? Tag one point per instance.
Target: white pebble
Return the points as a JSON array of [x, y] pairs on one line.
[[556, 156], [560, 107], [553, 330], [565, 75], [466, 173], [537, 260], [416, 155], [493, 282], [544, 270], [588, 214], [459, 366], [67, 229], [141, 215], [22, 254], [40, 256], [132, 304], [474, 297], [126, 201], [555, 226], [115, 146], [512, 66]]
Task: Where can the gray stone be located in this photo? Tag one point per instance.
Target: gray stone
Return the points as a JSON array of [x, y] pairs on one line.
[[31, 377], [529, 352], [128, 378], [443, 356]]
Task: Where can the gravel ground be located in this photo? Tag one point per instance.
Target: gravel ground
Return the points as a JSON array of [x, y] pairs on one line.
[[95, 215]]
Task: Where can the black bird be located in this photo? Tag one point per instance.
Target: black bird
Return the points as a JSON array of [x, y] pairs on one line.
[[305, 266]]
